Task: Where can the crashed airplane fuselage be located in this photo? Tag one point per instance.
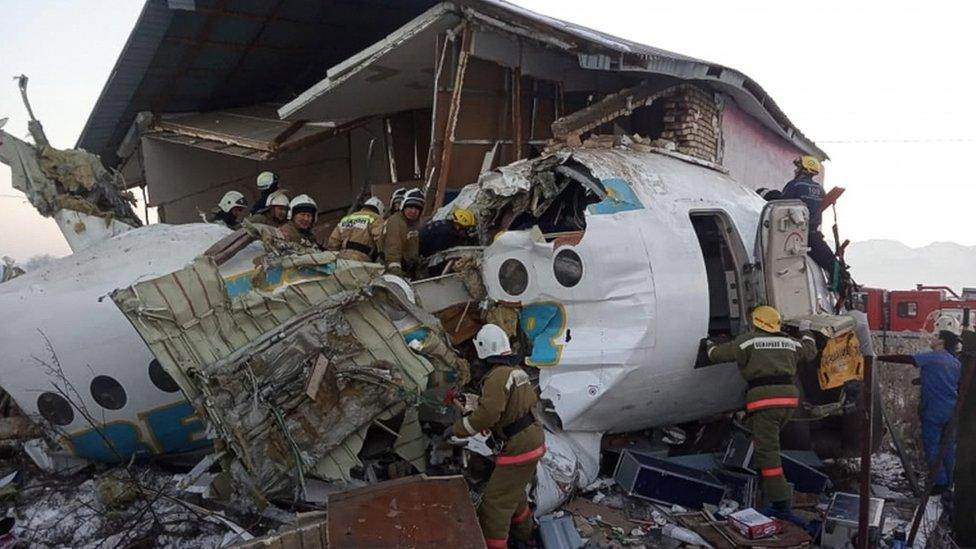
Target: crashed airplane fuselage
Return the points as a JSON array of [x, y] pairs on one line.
[[613, 310]]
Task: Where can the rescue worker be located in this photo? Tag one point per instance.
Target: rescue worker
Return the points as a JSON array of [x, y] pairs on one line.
[[267, 184], [358, 235], [230, 210], [940, 372], [276, 213], [803, 187], [302, 212], [505, 408], [456, 230], [396, 201], [767, 360], [401, 248]]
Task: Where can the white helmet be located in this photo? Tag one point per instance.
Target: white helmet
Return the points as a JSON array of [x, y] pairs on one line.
[[266, 180], [491, 341], [947, 323], [376, 203], [231, 200], [302, 203], [278, 198]]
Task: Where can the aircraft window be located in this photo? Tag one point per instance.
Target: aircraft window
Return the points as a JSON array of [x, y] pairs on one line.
[[568, 268], [513, 276], [108, 393], [55, 408], [161, 379]]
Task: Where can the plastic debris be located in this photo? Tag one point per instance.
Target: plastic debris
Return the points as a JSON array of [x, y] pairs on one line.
[[684, 534]]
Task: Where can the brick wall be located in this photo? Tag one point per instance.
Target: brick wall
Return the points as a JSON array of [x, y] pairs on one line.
[[691, 121]]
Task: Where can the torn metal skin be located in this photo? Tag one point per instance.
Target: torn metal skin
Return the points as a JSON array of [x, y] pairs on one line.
[[244, 350]]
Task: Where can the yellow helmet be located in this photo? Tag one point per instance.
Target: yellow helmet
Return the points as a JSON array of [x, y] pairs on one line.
[[809, 164], [463, 217], [766, 319]]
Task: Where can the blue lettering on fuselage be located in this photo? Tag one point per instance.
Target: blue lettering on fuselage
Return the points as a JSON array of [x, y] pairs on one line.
[[620, 198], [544, 323], [173, 428]]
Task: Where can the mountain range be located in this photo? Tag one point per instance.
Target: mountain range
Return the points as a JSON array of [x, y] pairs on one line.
[[892, 265]]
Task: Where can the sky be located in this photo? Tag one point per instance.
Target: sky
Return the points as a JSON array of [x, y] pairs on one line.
[[882, 86]]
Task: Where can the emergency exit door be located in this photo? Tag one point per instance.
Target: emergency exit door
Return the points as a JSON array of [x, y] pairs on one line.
[[781, 248]]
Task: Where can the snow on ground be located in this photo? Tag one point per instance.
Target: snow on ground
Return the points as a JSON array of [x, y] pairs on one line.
[[69, 512]]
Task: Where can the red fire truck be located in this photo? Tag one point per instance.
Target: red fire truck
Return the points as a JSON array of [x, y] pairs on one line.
[[915, 310]]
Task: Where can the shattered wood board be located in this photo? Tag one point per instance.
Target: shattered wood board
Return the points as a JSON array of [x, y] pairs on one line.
[[415, 511], [711, 532], [587, 510], [243, 348]]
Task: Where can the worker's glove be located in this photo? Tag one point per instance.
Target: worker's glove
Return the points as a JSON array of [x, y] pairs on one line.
[[804, 325]]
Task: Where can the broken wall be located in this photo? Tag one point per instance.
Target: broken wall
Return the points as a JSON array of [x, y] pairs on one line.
[[497, 106], [184, 180], [691, 120], [753, 154]]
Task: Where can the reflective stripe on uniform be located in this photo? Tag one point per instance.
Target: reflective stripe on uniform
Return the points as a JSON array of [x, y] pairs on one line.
[[520, 517], [494, 543], [767, 343], [518, 377], [467, 425], [521, 458], [394, 265], [772, 402], [810, 338], [772, 472]]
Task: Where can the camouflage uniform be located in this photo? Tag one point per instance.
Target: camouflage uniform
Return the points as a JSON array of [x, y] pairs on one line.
[[768, 364], [506, 402], [290, 232], [358, 236], [401, 244], [265, 218]]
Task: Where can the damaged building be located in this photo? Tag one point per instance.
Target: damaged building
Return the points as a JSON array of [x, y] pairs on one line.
[[202, 99]]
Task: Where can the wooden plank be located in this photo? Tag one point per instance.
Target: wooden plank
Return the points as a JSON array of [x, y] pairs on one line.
[[452, 118]]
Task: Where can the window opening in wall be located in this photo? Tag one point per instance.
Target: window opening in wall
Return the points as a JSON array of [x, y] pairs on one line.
[[724, 299], [907, 309]]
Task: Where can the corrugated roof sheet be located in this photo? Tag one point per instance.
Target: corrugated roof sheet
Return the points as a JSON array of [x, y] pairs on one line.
[[222, 54], [228, 54]]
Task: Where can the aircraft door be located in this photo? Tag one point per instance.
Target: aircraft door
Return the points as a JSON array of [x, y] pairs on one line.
[[781, 249]]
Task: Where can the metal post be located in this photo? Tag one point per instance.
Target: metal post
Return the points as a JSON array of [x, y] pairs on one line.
[[867, 438], [969, 368], [964, 479]]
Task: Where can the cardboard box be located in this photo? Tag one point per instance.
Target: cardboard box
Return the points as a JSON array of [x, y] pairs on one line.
[[753, 524]]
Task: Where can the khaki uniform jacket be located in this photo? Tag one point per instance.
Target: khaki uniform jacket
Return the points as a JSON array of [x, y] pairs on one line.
[[292, 233], [401, 243], [264, 218], [507, 394], [762, 354], [364, 229]]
